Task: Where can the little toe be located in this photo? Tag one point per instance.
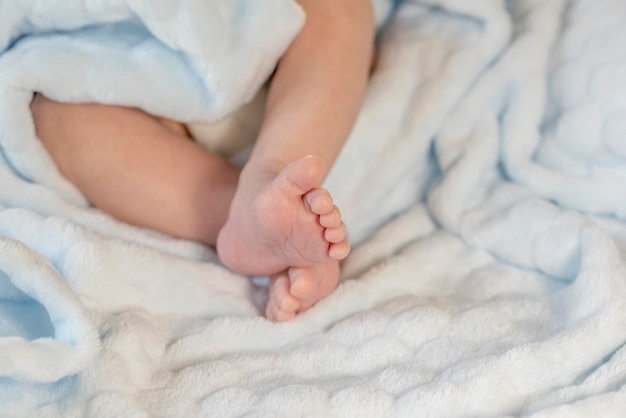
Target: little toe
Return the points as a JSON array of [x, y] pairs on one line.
[[319, 201], [339, 250], [271, 310], [336, 235], [331, 219]]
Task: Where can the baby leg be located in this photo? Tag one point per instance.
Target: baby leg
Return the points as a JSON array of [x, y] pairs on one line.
[[145, 171], [277, 218], [138, 168]]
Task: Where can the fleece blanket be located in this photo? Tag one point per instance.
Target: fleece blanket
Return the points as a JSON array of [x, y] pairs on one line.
[[483, 187]]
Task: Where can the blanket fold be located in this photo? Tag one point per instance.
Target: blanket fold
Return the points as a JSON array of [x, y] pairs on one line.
[[133, 48], [75, 341], [482, 187]]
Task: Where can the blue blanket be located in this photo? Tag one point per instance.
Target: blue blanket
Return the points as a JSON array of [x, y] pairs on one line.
[[483, 187]]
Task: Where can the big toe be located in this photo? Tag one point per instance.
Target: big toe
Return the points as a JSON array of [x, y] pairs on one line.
[[301, 176], [311, 284], [304, 282]]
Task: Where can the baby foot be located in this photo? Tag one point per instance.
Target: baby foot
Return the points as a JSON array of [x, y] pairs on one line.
[[299, 288], [290, 222]]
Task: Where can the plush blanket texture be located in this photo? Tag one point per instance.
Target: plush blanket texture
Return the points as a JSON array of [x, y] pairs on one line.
[[484, 187]]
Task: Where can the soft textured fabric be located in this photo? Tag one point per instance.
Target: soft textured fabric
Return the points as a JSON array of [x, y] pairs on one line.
[[482, 187]]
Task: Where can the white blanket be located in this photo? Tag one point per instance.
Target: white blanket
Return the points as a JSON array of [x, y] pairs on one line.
[[482, 184]]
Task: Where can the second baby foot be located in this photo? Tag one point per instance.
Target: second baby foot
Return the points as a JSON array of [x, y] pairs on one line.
[[298, 288], [288, 221]]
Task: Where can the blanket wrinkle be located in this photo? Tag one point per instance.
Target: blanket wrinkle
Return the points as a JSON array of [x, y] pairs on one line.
[[481, 186], [75, 341], [139, 52], [421, 103]]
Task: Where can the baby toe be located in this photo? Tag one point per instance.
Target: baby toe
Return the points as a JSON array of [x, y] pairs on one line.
[[319, 201], [336, 235], [331, 219], [271, 310], [339, 250]]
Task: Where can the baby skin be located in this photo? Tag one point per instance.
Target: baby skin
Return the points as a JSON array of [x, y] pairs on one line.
[[292, 227], [269, 218]]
